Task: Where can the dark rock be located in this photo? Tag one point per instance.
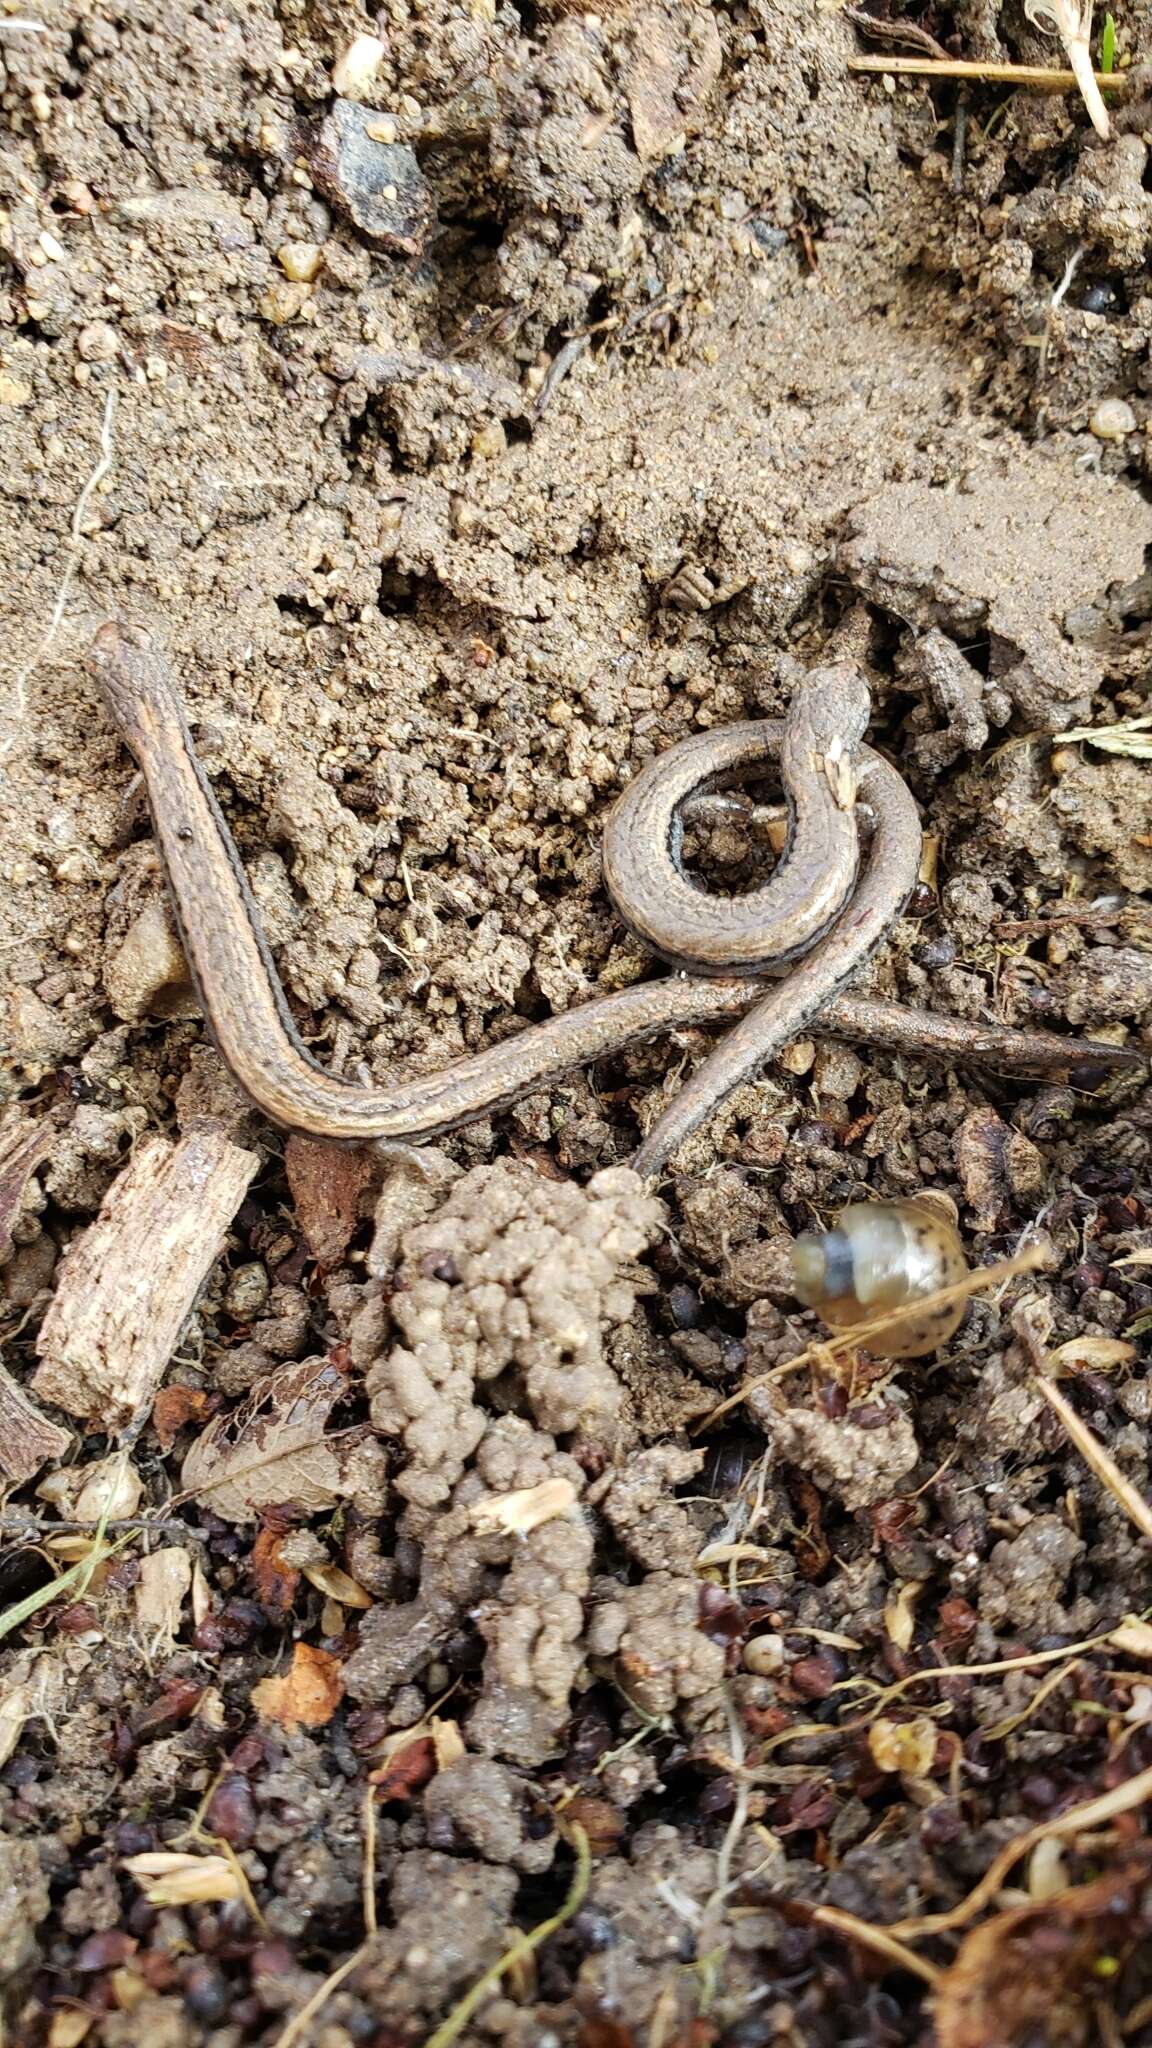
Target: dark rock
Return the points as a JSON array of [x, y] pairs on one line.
[[379, 185]]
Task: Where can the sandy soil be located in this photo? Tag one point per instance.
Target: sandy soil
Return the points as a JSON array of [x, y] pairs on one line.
[[467, 431]]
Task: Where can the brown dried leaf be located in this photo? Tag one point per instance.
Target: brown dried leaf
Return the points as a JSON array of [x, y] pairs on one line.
[[272, 1450], [327, 1182], [408, 1770], [276, 1582], [307, 1696]]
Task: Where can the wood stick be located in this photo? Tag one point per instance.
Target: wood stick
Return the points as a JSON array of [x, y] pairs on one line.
[[27, 1438], [128, 1284]]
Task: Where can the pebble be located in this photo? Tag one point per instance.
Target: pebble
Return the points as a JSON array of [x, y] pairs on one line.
[[283, 301], [379, 185], [98, 342], [1112, 420], [356, 69], [246, 1295], [300, 261], [764, 1655]]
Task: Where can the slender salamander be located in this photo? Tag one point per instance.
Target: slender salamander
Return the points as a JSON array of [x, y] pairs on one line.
[[816, 912]]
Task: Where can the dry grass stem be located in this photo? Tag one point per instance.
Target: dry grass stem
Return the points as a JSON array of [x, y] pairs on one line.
[[1101, 1462], [1038, 76], [879, 1940]]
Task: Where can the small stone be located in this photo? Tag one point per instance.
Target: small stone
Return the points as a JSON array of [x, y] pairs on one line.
[[379, 185], [14, 390], [97, 343], [1112, 420], [764, 1655], [382, 129], [246, 1295], [283, 302], [300, 261], [490, 442], [354, 71], [797, 1058]]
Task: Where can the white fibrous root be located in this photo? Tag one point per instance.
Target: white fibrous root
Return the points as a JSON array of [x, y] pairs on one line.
[[1071, 20]]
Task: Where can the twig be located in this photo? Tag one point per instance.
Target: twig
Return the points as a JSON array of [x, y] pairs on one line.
[[368, 1875], [1037, 75], [519, 1950], [1101, 1461], [76, 537]]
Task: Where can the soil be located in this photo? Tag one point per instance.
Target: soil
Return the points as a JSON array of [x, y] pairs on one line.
[[470, 425]]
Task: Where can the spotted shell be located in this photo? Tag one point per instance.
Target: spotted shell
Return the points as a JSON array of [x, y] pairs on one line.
[[879, 1256]]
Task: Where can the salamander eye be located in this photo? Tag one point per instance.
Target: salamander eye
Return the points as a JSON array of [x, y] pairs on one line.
[[880, 1256]]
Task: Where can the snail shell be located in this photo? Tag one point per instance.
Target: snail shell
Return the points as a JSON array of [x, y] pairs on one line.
[[878, 1256]]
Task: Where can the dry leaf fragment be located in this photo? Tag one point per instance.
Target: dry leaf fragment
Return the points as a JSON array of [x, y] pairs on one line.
[[276, 1582], [306, 1696], [1133, 1638], [676, 62], [23, 1147], [170, 1879], [176, 1406], [164, 1584], [69, 2028], [272, 1450], [337, 1585], [447, 1741], [15, 1710], [327, 1182], [27, 1438], [526, 1509], [907, 1747], [900, 1613], [407, 1771], [1092, 1354]]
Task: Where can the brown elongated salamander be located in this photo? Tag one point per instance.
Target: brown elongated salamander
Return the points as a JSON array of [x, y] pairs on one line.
[[815, 912]]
